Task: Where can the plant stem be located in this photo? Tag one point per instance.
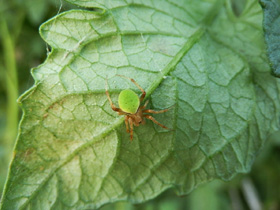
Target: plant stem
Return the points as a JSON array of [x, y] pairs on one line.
[[11, 88]]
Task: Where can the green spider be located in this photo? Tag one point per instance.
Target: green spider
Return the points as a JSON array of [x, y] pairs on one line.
[[129, 104]]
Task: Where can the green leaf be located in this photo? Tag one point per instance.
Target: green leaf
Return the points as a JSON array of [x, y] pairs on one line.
[[272, 32], [36, 10], [73, 151]]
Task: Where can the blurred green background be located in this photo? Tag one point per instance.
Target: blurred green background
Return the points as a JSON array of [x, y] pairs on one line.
[[22, 48]]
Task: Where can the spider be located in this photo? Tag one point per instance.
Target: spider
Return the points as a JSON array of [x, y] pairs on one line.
[[129, 104]]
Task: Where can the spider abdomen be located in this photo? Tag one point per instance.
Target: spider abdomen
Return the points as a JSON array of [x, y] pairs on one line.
[[129, 101]]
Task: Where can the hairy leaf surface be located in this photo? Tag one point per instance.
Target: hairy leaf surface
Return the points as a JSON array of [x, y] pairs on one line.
[[195, 56], [272, 32]]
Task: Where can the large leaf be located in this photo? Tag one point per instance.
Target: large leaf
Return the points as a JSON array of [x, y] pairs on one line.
[[272, 32], [73, 151]]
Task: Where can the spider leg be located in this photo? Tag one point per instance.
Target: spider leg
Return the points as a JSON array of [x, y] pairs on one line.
[[126, 123], [156, 122], [135, 83], [131, 128], [144, 106], [122, 113], [155, 112], [111, 103]]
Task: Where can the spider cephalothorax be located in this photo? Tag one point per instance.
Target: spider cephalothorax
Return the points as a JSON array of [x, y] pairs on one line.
[[130, 106]]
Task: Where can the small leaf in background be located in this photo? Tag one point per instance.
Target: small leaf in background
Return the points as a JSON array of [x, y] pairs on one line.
[[200, 57], [271, 23], [36, 10]]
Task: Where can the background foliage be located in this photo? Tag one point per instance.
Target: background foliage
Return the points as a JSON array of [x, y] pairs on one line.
[[22, 48]]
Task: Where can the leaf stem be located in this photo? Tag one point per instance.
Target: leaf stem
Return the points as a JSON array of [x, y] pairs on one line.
[[172, 64], [10, 74]]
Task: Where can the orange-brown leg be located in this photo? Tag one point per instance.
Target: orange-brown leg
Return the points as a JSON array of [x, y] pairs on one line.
[[156, 122], [154, 112], [135, 83], [126, 123], [144, 106], [131, 128], [111, 103]]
